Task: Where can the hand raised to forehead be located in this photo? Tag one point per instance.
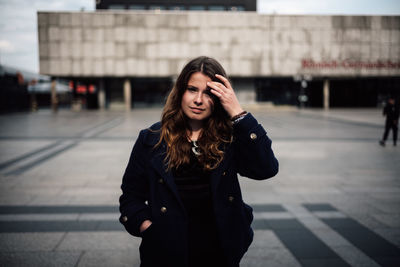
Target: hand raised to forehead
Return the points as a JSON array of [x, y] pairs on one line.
[[226, 95]]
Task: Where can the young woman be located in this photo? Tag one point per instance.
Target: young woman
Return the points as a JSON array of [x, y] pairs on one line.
[[181, 192]]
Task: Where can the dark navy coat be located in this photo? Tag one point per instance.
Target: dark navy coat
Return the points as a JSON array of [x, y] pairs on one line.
[[149, 192]]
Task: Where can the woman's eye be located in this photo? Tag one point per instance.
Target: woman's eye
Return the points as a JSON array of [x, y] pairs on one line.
[[191, 89], [208, 92]]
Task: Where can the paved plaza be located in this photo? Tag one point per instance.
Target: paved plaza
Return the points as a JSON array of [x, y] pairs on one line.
[[335, 201]]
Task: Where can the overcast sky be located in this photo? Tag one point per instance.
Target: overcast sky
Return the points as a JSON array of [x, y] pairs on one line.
[[18, 23]]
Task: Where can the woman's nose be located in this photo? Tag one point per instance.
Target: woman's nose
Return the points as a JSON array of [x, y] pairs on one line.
[[198, 99]]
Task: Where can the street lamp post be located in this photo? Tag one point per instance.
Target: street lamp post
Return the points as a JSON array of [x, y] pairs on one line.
[[303, 79], [54, 99]]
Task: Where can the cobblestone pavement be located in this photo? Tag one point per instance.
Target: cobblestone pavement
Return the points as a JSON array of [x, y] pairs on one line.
[[335, 201]]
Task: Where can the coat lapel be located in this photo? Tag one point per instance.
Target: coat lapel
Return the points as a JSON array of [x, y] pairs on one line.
[[157, 160], [158, 164], [216, 175]]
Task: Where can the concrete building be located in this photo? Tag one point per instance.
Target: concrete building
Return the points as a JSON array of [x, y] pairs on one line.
[[133, 57]]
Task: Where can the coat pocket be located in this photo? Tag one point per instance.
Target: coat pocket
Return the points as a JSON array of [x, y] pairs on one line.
[[148, 230], [148, 245]]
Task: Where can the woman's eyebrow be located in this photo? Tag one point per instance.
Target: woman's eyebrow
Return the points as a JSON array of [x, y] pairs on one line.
[[192, 86]]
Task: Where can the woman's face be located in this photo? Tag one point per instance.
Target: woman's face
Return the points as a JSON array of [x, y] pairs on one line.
[[197, 103]]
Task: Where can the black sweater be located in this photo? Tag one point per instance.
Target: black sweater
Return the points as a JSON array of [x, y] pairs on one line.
[[193, 185]]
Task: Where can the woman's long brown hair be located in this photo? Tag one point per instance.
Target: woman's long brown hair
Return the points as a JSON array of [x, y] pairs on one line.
[[217, 129]]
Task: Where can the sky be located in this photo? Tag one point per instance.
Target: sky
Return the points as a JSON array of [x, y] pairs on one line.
[[18, 20]]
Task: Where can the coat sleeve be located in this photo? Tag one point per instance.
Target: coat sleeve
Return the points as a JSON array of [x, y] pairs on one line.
[[253, 154], [134, 187]]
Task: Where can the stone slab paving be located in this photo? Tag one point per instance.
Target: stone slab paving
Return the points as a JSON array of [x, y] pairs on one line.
[[336, 197]]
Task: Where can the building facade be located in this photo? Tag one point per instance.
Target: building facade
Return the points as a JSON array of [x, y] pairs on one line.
[[133, 57]]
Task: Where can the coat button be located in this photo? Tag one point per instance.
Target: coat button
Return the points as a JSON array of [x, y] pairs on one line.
[[224, 173], [124, 219], [163, 209], [231, 198], [253, 136], [161, 181]]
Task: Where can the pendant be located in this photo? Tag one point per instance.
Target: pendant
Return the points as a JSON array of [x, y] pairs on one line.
[[195, 148]]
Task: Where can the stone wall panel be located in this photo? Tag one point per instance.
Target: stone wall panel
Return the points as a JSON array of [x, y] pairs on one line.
[[43, 34], [365, 36], [87, 50], [374, 51], [54, 33], [88, 34], [76, 34], [76, 67], [352, 36], [54, 50], [77, 50], [76, 20], [384, 36], [395, 37], [120, 67], [131, 65], [65, 50], [44, 66], [384, 51], [120, 50], [54, 66], [109, 34], [365, 51], [66, 65], [120, 34], [65, 19], [44, 49], [98, 35], [43, 19], [98, 67], [394, 52], [87, 67], [65, 34], [109, 67], [98, 50], [87, 19]]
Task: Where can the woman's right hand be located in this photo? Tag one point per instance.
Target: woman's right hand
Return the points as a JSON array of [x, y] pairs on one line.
[[145, 224]]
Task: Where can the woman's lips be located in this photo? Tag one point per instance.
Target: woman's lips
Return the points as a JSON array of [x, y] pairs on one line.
[[196, 110]]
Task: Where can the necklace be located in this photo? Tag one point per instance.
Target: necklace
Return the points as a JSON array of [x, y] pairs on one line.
[[195, 148]]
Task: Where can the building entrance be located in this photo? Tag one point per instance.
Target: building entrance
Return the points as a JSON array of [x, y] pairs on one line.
[[149, 92], [362, 92]]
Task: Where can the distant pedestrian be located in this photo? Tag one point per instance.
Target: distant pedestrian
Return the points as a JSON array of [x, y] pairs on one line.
[[391, 111], [180, 190]]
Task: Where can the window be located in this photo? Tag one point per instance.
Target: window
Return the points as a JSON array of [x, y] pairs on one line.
[[216, 8], [197, 8], [116, 7], [137, 7], [236, 8], [177, 7], [156, 7]]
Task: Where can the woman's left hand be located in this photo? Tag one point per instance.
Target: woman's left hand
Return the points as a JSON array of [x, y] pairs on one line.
[[226, 95]]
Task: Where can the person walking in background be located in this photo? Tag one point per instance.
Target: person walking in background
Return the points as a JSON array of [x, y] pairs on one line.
[[180, 190], [391, 111]]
